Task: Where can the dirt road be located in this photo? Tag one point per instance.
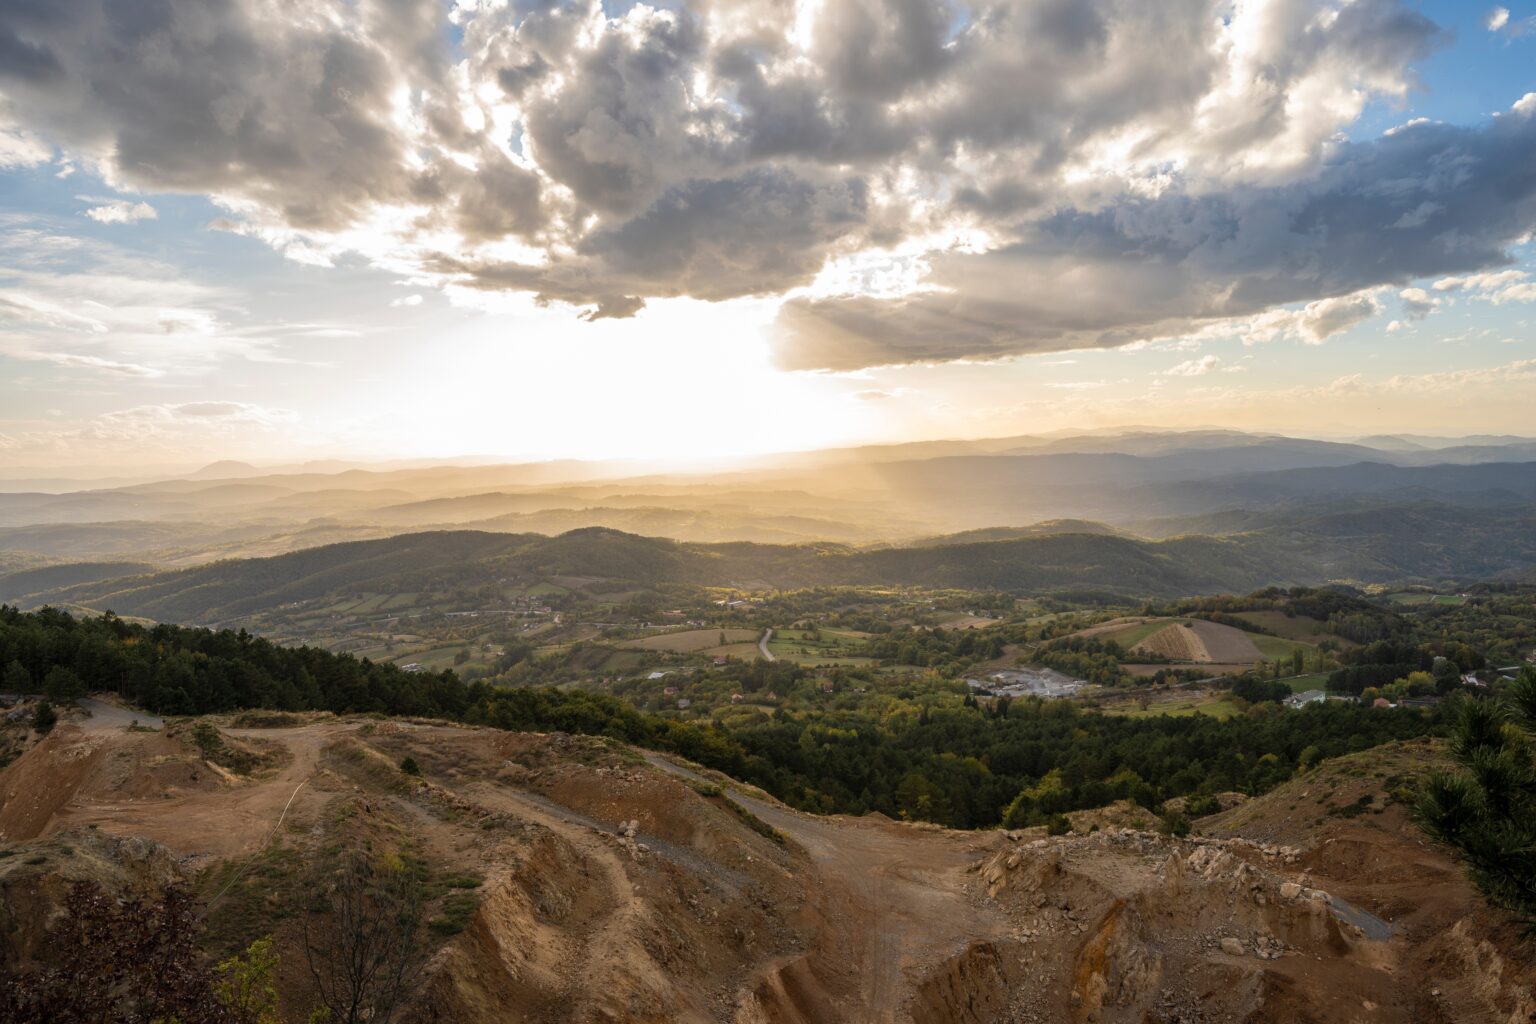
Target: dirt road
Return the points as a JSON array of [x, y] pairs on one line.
[[104, 715], [892, 897], [215, 822], [762, 645]]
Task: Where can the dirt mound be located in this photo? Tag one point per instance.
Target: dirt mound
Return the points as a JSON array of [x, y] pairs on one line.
[[575, 879]]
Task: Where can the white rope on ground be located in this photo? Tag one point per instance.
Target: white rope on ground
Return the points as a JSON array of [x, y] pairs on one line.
[[265, 843]]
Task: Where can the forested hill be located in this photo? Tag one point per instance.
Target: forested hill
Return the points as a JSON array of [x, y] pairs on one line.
[[950, 761], [1377, 544]]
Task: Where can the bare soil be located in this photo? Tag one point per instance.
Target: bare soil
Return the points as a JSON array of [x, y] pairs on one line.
[[1202, 642], [621, 887]]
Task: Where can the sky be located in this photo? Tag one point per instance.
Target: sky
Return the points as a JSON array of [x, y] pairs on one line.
[[276, 230]]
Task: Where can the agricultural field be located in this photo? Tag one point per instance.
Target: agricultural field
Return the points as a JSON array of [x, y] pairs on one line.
[[696, 641], [1289, 627], [1275, 648], [1127, 632], [1201, 642], [436, 659], [819, 647], [1416, 597], [1310, 681], [969, 622], [1213, 705]]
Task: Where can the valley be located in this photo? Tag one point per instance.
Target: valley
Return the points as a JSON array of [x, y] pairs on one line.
[[1119, 769]]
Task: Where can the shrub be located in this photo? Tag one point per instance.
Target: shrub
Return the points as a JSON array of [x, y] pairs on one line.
[[1486, 811], [44, 718]]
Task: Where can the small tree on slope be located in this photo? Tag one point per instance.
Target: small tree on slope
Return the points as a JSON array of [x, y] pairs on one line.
[[1486, 810]]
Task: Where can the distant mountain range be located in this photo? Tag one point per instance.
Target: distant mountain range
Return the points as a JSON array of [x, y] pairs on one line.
[[1420, 542], [943, 493]]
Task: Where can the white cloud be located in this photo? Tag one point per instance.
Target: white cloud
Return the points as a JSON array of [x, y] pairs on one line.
[[1525, 105], [602, 157], [406, 300], [108, 366], [1498, 287], [120, 211], [1499, 20], [1193, 367], [1417, 303], [1315, 322]]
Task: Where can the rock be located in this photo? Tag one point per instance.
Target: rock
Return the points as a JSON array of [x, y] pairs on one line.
[[1289, 890], [1232, 947]]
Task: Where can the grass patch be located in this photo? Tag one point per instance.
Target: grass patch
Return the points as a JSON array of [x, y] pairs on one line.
[[458, 909], [1276, 648], [1310, 681], [1219, 708], [751, 820]]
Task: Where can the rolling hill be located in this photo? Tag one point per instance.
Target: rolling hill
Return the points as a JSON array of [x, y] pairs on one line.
[[1386, 544]]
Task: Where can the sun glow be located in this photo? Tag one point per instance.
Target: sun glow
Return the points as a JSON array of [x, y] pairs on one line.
[[684, 379]]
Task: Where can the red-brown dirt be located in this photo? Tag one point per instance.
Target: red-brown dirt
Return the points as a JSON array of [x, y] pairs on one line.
[[620, 887]]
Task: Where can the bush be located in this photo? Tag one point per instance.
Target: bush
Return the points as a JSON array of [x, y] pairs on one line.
[[62, 684], [1201, 804], [1486, 811], [1057, 825], [410, 767], [44, 718], [1174, 824]]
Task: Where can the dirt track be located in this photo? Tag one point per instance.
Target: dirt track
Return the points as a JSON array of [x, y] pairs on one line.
[[190, 815], [893, 897]]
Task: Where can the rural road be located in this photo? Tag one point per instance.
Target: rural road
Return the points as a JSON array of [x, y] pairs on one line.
[[115, 716], [762, 645]]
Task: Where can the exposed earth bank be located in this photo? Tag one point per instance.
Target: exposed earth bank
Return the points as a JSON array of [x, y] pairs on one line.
[[611, 886]]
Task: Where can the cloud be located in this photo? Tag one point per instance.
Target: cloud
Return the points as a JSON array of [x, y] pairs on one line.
[[202, 414], [706, 150], [1417, 303], [85, 304], [1499, 287], [406, 300], [119, 211], [1142, 267], [109, 366], [1193, 367], [1498, 20]]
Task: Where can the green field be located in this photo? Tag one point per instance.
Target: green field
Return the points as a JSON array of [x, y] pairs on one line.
[[826, 647], [1291, 627], [1276, 648], [1215, 706], [1414, 597], [1311, 681], [1133, 634]]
